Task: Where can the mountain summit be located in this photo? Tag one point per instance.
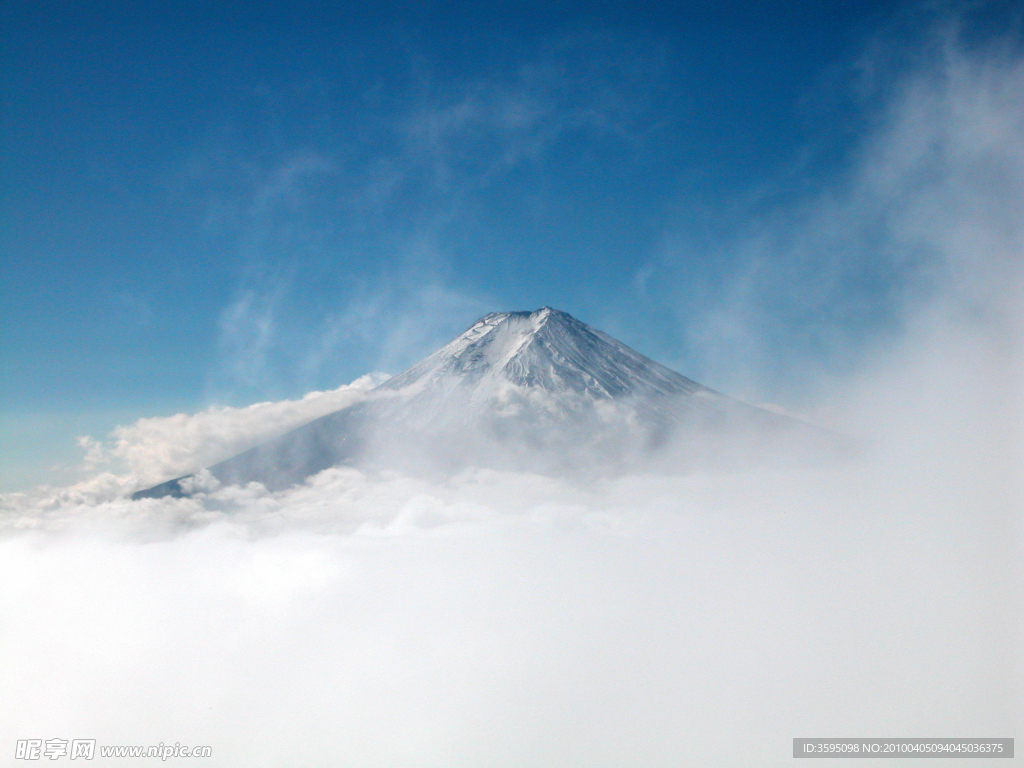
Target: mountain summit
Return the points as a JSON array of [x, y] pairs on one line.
[[538, 390], [547, 349]]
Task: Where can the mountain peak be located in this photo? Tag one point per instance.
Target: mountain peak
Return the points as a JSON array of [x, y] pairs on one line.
[[547, 349], [524, 323]]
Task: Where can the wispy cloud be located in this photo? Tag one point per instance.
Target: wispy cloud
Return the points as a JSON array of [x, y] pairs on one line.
[[929, 207], [577, 88], [374, 212], [152, 450]]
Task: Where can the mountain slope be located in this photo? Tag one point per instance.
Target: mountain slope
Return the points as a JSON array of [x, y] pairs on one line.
[[528, 390]]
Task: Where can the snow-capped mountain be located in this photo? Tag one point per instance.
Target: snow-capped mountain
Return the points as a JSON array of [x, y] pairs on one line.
[[547, 349], [535, 390]]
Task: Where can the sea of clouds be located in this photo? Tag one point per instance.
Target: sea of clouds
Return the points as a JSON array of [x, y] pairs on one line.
[[511, 619]]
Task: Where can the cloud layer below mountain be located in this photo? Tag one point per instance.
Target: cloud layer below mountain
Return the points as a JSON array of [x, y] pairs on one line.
[[512, 619]]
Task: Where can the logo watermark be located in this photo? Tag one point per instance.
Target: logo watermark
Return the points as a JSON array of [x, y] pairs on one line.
[[86, 749]]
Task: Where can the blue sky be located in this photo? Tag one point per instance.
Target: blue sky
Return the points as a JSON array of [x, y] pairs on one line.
[[233, 202]]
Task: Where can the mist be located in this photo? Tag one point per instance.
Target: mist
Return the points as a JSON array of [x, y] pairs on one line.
[[378, 618]]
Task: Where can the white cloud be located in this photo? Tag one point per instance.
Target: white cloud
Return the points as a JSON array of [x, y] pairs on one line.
[[156, 449], [511, 619], [929, 207]]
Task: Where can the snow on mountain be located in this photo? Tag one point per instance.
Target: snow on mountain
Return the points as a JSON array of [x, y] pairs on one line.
[[538, 390], [548, 349]]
